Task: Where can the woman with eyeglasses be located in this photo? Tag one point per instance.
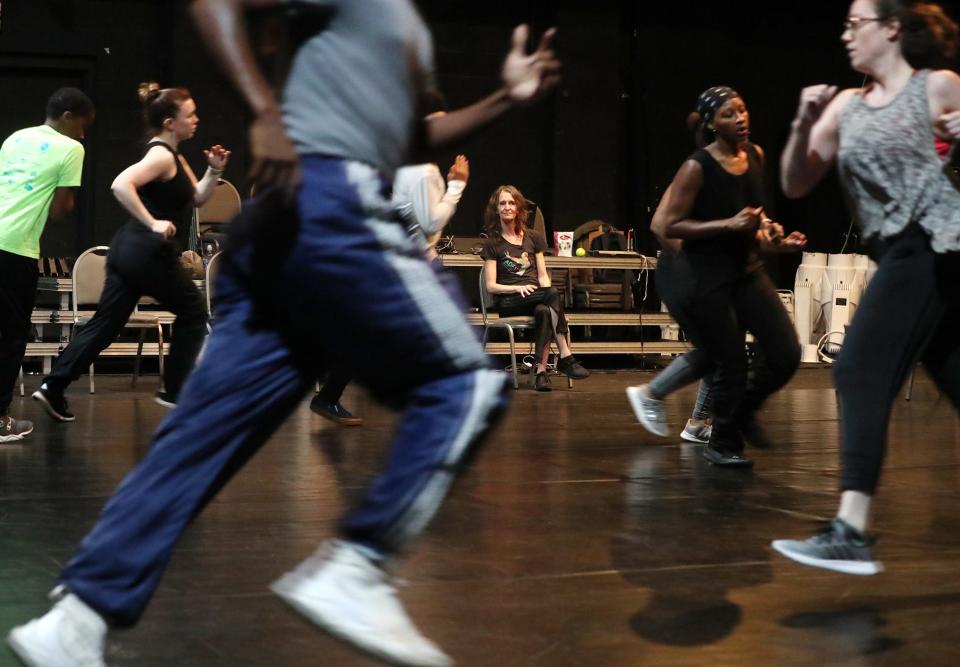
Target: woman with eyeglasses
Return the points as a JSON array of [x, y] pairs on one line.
[[882, 138]]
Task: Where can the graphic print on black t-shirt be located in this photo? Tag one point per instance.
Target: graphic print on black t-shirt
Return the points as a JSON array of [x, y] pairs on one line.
[[515, 265]]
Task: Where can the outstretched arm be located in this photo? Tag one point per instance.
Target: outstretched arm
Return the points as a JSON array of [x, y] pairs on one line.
[[525, 77], [221, 25]]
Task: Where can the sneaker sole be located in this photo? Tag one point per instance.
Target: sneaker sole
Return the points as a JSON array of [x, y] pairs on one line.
[[745, 463], [20, 650], [40, 398], [636, 403], [309, 613], [692, 438], [165, 404], [16, 437], [855, 567], [342, 421]]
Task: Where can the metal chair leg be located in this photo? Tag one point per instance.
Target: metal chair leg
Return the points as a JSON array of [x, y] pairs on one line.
[[21, 381], [136, 364], [910, 384], [160, 350], [513, 357], [90, 373]]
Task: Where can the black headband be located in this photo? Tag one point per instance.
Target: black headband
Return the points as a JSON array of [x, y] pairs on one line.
[[712, 99]]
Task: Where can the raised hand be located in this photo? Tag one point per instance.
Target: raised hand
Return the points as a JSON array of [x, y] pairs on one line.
[[460, 170], [813, 100], [527, 77], [217, 157]]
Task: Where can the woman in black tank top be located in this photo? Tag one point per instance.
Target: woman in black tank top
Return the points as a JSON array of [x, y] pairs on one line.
[[159, 192], [712, 219]]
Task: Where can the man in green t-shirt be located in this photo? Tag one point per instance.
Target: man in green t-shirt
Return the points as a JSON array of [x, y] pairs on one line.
[[39, 169]]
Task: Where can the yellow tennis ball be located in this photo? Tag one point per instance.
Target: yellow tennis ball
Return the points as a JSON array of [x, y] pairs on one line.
[[581, 252]]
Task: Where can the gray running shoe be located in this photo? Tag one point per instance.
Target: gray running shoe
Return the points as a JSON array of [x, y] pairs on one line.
[[649, 411], [840, 547], [694, 432]]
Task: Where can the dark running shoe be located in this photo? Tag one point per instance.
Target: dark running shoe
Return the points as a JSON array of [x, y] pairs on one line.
[[542, 382], [726, 458], [54, 403], [335, 412], [165, 399], [839, 547], [570, 367]]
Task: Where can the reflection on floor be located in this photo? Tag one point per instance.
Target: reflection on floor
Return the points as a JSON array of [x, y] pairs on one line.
[[577, 538]]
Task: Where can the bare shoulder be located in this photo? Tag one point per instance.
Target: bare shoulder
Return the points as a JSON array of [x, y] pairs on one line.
[[690, 174], [943, 79], [159, 155], [943, 92]]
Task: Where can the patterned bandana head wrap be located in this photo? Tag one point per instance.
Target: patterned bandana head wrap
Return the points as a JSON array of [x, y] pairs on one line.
[[712, 99]]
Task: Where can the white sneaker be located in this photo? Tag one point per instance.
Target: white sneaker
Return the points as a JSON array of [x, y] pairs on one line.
[[346, 594], [649, 411], [71, 634], [694, 432], [14, 430]]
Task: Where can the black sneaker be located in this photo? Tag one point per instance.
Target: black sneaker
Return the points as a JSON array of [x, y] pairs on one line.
[[542, 382], [54, 403], [335, 412], [166, 399], [570, 367], [726, 458], [839, 547]]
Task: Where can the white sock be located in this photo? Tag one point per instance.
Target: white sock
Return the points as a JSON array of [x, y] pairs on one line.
[[855, 509]]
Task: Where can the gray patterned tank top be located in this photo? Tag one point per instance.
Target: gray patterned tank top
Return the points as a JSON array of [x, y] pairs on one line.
[[890, 169]]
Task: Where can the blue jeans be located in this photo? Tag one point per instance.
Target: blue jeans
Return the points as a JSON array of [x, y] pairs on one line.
[[336, 280]]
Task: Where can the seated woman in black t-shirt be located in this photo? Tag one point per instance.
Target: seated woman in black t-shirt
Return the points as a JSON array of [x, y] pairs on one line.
[[517, 274]]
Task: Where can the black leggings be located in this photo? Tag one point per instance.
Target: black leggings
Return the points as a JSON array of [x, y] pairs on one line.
[[140, 262], [910, 312], [677, 286], [546, 306], [18, 290], [727, 303]]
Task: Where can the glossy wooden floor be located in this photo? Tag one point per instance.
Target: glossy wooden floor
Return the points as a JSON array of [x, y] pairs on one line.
[[577, 539]]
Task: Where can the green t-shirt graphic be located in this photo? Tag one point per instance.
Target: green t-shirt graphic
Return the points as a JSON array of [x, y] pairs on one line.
[[33, 163]]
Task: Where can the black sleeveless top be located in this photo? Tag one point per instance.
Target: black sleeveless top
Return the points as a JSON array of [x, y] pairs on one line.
[[170, 200], [723, 195]]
